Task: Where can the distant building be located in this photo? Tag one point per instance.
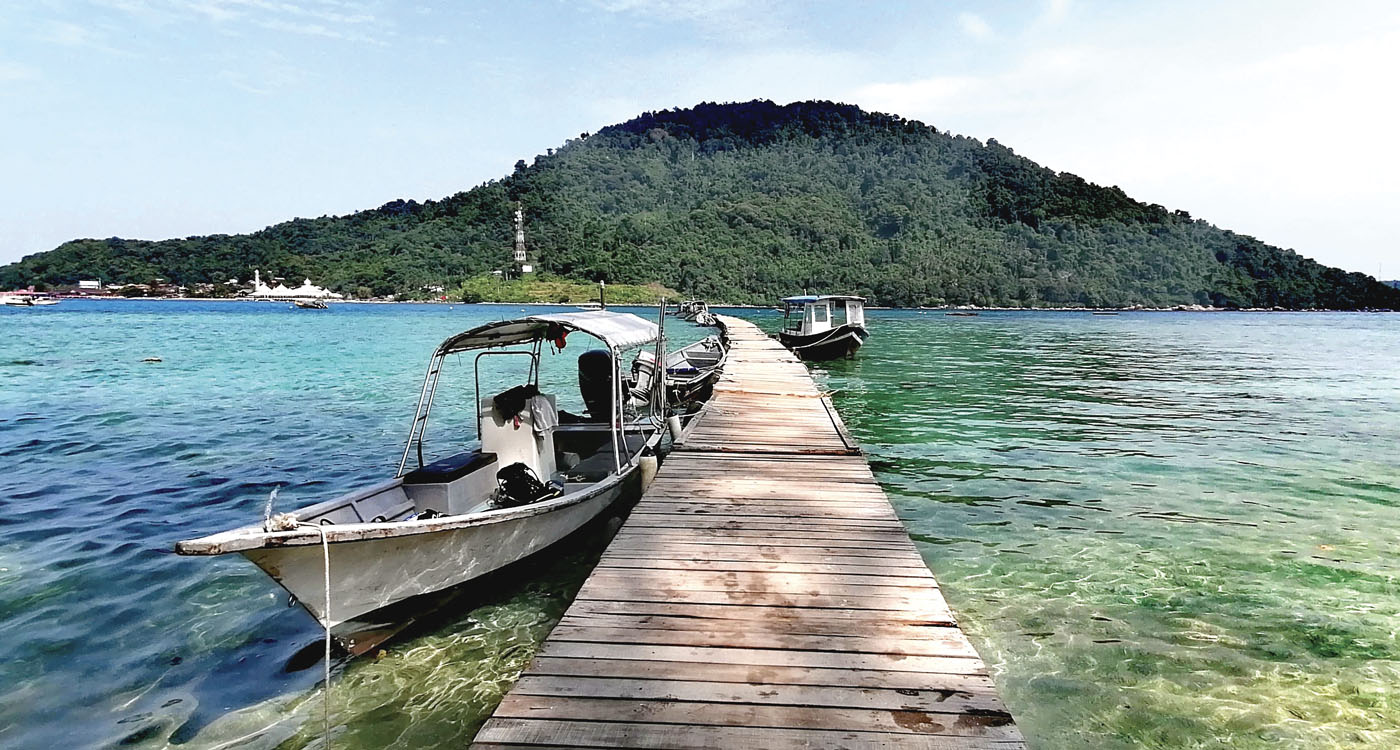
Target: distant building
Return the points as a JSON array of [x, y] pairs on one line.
[[95, 285]]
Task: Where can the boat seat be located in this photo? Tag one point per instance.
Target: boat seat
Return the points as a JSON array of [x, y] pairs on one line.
[[599, 465], [448, 469]]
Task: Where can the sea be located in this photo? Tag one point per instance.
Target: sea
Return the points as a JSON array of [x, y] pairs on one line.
[[1161, 530]]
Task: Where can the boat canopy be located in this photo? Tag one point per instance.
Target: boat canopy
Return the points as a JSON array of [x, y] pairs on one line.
[[618, 330], [806, 298]]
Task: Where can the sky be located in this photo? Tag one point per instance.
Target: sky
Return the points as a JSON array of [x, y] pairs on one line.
[[169, 118]]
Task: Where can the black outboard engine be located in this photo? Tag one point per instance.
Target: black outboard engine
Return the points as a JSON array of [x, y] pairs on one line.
[[595, 383]]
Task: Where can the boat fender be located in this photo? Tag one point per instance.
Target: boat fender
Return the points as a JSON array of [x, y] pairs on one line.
[[649, 466], [673, 422]]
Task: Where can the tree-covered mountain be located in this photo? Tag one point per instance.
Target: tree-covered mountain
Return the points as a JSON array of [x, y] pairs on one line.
[[748, 202]]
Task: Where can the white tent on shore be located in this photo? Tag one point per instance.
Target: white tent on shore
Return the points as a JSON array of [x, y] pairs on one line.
[[307, 290]]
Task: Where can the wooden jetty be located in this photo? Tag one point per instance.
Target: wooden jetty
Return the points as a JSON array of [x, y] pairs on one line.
[[762, 594]]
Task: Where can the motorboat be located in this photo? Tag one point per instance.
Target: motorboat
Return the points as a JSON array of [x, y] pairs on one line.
[[16, 300], [691, 371], [696, 311], [822, 327], [310, 304], [537, 475]]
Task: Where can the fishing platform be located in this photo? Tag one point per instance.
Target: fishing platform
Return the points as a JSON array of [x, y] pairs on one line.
[[762, 593]]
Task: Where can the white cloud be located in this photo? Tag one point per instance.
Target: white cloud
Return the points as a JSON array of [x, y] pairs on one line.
[[973, 25], [333, 19], [922, 97], [1055, 10], [737, 21], [10, 71]]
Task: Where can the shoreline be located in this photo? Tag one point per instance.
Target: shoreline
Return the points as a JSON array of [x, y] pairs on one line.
[[945, 309]]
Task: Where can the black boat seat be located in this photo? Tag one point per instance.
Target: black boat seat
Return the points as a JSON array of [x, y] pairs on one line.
[[599, 465], [445, 470]]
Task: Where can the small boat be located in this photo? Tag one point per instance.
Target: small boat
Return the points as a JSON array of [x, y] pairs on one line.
[[1105, 312], [961, 314], [688, 309], [310, 304], [823, 327], [536, 476], [691, 371], [16, 300]]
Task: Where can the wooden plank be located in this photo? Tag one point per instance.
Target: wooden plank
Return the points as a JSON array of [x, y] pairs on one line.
[[917, 606], [900, 646], [612, 562], [982, 698], [769, 613], [752, 581], [899, 721], [707, 550], [807, 624], [509, 732], [911, 684]]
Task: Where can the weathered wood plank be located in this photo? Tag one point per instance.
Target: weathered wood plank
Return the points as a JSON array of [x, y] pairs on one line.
[[911, 684], [981, 698], [898, 645], [899, 721], [743, 612], [842, 567], [600, 734]]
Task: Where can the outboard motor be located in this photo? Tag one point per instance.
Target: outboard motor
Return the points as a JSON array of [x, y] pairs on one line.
[[595, 383]]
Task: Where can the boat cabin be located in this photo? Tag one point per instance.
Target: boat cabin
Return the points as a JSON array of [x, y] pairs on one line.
[[811, 314]]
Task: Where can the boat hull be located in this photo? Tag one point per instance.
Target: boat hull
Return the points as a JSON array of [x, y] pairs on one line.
[[841, 341], [367, 575]]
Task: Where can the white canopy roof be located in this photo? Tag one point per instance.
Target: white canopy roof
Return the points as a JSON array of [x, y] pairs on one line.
[[618, 330]]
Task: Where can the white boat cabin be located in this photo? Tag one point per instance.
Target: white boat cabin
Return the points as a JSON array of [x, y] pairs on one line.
[[811, 314]]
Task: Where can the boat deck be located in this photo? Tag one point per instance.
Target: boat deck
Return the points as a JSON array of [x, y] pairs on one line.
[[762, 594]]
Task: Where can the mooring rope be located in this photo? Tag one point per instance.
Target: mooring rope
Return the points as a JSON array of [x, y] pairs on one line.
[[326, 623]]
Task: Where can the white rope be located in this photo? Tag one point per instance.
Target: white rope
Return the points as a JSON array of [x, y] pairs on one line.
[[326, 623]]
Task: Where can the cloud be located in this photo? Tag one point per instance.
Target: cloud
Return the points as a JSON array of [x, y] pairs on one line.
[[1055, 11], [345, 20], [10, 71], [973, 25], [741, 21], [71, 35], [921, 96]]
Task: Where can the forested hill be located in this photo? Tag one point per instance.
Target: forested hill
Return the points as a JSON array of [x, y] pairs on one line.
[[749, 202]]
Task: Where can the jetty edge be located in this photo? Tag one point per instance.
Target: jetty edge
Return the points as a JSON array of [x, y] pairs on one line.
[[762, 593]]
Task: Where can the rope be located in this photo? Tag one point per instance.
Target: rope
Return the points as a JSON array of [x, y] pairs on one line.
[[326, 623]]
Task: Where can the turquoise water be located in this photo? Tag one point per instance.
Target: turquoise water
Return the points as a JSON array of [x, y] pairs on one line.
[[1161, 530]]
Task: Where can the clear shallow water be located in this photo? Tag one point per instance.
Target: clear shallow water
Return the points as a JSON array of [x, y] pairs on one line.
[[1162, 530]]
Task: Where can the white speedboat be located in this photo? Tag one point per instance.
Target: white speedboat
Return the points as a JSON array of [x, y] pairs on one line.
[[16, 300], [537, 476]]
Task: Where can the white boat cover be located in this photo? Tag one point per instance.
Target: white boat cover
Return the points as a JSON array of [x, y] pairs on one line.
[[618, 330]]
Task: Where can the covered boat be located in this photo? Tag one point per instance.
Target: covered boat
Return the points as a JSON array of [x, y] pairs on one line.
[[537, 475], [823, 327]]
